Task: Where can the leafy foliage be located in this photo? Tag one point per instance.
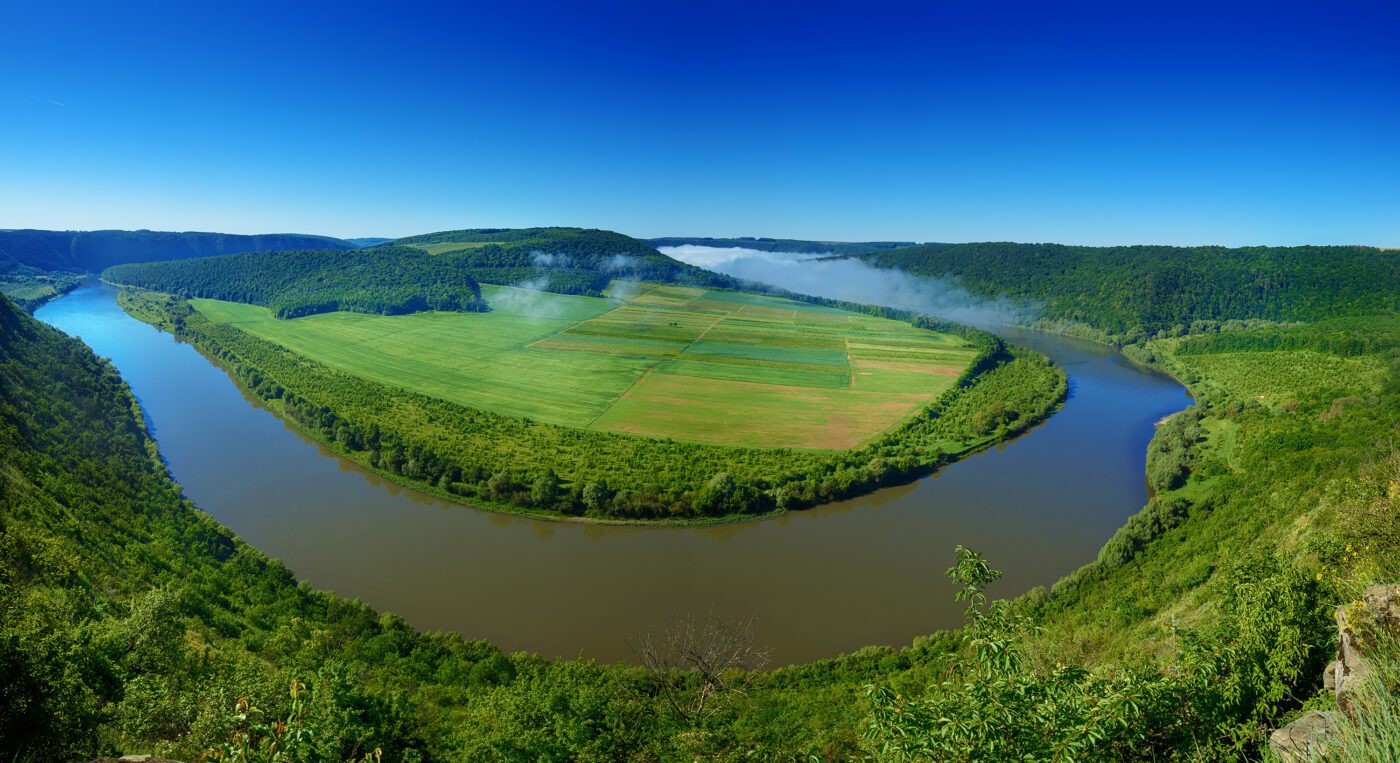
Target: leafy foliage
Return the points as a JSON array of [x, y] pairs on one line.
[[999, 705], [389, 281]]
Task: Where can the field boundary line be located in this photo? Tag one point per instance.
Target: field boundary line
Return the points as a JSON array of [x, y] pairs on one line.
[[651, 368]]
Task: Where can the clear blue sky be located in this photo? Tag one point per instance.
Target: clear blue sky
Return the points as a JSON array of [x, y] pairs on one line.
[[1113, 122]]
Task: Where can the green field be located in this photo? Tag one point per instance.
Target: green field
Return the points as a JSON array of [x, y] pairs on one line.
[[665, 361], [439, 248]]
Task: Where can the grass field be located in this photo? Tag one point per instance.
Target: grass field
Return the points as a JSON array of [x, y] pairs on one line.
[[667, 361], [439, 248]]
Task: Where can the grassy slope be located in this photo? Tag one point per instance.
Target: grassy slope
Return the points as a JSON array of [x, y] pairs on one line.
[[1269, 455], [670, 362]]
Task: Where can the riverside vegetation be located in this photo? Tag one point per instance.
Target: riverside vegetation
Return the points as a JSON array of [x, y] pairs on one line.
[[750, 403], [1204, 622]]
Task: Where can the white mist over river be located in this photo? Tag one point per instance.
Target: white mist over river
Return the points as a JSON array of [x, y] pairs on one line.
[[854, 280]]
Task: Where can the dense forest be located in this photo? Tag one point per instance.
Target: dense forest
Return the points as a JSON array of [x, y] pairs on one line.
[[789, 245], [562, 260], [131, 622], [384, 280], [94, 251], [495, 460], [1133, 292]]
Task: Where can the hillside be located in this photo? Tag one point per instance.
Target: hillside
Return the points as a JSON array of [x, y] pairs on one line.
[[149, 649], [563, 260], [383, 280], [1135, 291], [94, 251], [789, 245]]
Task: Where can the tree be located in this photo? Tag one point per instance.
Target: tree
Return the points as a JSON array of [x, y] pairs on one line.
[[702, 666]]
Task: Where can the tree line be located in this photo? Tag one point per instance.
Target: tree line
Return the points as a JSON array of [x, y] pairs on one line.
[[1136, 291], [387, 281], [484, 457]]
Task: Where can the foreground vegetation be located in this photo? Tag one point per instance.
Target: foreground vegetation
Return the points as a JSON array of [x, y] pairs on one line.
[[510, 462], [130, 622], [133, 623]]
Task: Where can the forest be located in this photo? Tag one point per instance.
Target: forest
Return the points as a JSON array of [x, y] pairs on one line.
[[1131, 293], [563, 260], [387, 281], [787, 245], [130, 621], [94, 251]]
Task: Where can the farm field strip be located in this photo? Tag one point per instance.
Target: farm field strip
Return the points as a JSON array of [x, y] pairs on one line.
[[667, 361]]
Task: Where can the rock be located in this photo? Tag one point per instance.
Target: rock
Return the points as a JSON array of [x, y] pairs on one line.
[[1383, 605], [1380, 609], [1305, 739], [1329, 676]]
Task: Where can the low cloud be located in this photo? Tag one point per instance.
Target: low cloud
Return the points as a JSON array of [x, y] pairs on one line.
[[619, 263], [856, 281], [528, 299], [623, 290], [548, 260]]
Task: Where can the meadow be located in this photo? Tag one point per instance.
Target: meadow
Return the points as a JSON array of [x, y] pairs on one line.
[[666, 361]]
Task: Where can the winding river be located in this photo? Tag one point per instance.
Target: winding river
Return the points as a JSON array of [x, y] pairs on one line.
[[819, 582]]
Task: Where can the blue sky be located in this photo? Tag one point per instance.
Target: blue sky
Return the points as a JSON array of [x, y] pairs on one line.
[[1098, 123]]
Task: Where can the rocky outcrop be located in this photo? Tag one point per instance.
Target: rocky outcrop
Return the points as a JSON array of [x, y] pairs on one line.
[[1305, 738], [1358, 626]]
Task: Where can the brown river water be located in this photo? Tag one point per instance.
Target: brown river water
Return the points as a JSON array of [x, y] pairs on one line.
[[818, 582]]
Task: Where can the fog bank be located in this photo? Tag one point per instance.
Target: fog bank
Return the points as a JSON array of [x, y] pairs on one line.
[[856, 281]]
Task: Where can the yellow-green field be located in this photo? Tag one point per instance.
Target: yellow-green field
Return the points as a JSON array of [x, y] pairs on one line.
[[668, 361], [451, 246]]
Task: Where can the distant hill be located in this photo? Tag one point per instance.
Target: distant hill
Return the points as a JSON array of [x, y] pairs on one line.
[[363, 242], [384, 280], [94, 251], [564, 260], [1126, 289], [792, 245]]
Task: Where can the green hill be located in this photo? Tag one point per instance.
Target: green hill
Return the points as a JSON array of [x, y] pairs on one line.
[[563, 260], [789, 245], [130, 622], [94, 251], [1136, 291], [384, 280]]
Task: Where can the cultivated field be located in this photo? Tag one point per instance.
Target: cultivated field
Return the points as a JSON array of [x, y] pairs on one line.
[[664, 361]]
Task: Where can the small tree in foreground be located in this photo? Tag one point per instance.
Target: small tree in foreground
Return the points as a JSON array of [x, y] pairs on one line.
[[701, 666]]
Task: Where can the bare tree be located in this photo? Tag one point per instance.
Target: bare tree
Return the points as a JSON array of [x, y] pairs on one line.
[[701, 665]]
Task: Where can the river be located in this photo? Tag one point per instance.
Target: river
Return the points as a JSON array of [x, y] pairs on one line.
[[818, 583]]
